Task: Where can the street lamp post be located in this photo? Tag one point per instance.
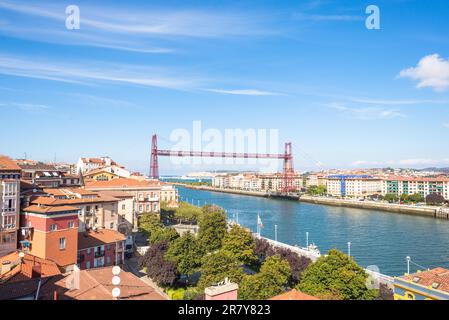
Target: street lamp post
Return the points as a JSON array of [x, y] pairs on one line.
[[349, 249], [408, 264], [276, 232], [307, 240]]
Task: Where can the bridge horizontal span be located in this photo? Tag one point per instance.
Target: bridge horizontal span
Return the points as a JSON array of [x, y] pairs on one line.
[[221, 154]]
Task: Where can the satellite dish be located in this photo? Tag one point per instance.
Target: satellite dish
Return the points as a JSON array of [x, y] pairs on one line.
[[116, 270], [116, 292], [115, 280]]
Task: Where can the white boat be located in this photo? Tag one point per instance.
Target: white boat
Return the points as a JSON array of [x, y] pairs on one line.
[[313, 248]]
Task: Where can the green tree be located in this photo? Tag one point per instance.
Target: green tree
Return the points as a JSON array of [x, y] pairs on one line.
[[269, 282], [163, 234], [240, 243], [185, 252], [319, 190], [217, 266], [148, 223], [416, 197], [336, 276], [405, 198], [391, 197], [213, 227]]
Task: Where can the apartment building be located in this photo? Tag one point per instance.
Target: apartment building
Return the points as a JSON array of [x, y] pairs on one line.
[[127, 214], [45, 175], [169, 193], [88, 164], [316, 180], [146, 193], [107, 173], [100, 248], [9, 204], [50, 232], [411, 184], [255, 182], [353, 185]]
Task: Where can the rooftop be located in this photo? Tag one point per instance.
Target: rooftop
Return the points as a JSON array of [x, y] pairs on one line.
[[122, 183], [294, 295], [41, 208], [97, 238], [437, 278], [6, 164]]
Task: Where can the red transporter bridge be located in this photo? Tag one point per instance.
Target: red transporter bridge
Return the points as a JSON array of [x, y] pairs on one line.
[[287, 175]]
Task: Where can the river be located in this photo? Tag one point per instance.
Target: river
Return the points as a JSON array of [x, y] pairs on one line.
[[377, 238]]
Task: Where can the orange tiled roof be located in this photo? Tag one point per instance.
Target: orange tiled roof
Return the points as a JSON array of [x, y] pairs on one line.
[[23, 268], [99, 237], [426, 179], [48, 209], [95, 284], [122, 183], [428, 278], [7, 164], [294, 295], [58, 202]]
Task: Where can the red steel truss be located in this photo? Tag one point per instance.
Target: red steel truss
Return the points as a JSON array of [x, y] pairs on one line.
[[287, 175]]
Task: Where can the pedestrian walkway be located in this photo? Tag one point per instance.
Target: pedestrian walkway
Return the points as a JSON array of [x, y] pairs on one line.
[[132, 265]]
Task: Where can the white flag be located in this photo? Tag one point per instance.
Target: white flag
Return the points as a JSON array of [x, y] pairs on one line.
[[259, 221]]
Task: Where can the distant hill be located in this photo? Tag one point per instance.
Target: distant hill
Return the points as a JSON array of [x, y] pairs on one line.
[[445, 170]]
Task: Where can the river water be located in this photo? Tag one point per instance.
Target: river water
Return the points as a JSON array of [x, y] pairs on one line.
[[377, 238]]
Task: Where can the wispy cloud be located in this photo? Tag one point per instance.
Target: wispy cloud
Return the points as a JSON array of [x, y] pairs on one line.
[[446, 125], [137, 30], [95, 72], [432, 71], [328, 17], [25, 106], [367, 113], [394, 102], [245, 92]]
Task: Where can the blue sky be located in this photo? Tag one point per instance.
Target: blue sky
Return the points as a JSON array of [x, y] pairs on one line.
[[344, 95]]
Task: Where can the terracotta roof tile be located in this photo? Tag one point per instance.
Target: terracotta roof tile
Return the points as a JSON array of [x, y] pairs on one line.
[[49, 209], [122, 183], [438, 277], [294, 295], [97, 238], [7, 164]]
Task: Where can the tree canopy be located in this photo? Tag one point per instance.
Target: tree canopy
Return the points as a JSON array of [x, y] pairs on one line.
[[317, 190], [336, 276], [212, 228], [160, 270], [434, 199], [269, 282], [240, 243], [186, 253], [163, 234], [217, 266]]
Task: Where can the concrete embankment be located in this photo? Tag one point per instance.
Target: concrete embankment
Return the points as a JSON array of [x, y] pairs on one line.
[[233, 191], [398, 208]]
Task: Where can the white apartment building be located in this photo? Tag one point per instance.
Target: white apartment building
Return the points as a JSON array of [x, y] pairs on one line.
[[410, 185], [353, 185], [87, 164], [9, 204], [254, 182]]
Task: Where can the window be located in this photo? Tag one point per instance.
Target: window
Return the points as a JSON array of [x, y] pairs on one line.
[[112, 225], [108, 260], [53, 227], [71, 224], [123, 207], [88, 265], [88, 251], [410, 295], [61, 243], [109, 247]]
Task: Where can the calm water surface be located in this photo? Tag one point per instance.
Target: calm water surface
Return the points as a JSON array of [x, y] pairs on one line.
[[378, 238]]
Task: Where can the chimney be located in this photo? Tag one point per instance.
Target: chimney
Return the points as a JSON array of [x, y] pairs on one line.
[[225, 290]]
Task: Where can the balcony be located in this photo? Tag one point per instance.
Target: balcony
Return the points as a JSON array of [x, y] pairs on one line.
[[99, 254]]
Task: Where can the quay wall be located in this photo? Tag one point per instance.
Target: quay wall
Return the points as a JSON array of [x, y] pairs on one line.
[[392, 207]]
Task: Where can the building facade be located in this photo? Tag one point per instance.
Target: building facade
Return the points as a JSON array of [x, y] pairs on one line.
[[353, 185], [9, 204], [50, 232], [411, 185], [100, 248]]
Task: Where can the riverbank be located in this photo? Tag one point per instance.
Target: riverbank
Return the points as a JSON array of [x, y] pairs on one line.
[[426, 211]]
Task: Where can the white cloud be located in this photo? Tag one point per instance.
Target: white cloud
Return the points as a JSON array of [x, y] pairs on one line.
[[95, 72], [245, 92], [25, 106], [362, 163], [393, 102], [432, 71], [419, 161], [446, 125], [367, 113]]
